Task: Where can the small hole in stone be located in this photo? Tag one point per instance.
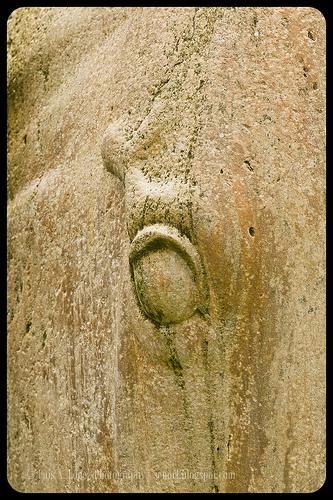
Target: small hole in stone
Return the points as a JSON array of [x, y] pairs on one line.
[[311, 35], [25, 138], [248, 165], [315, 85], [221, 171], [251, 231]]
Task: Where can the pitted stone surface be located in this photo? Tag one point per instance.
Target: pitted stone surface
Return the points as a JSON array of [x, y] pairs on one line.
[[209, 123]]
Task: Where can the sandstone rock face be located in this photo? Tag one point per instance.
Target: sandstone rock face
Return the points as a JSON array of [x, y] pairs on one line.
[[166, 239]]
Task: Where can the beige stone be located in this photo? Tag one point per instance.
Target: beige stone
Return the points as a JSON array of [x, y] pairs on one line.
[[166, 238]]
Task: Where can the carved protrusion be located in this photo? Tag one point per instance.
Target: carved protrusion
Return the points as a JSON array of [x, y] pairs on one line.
[[168, 275], [166, 268], [114, 149]]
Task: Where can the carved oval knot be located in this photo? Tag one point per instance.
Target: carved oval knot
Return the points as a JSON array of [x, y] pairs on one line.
[[168, 275]]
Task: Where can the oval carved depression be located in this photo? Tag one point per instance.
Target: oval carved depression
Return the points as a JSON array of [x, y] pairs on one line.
[[167, 274]]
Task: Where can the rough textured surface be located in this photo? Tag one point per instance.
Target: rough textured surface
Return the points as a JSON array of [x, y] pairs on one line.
[[210, 121]]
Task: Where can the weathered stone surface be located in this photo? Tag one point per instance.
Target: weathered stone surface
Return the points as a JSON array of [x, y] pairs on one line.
[[207, 125]]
